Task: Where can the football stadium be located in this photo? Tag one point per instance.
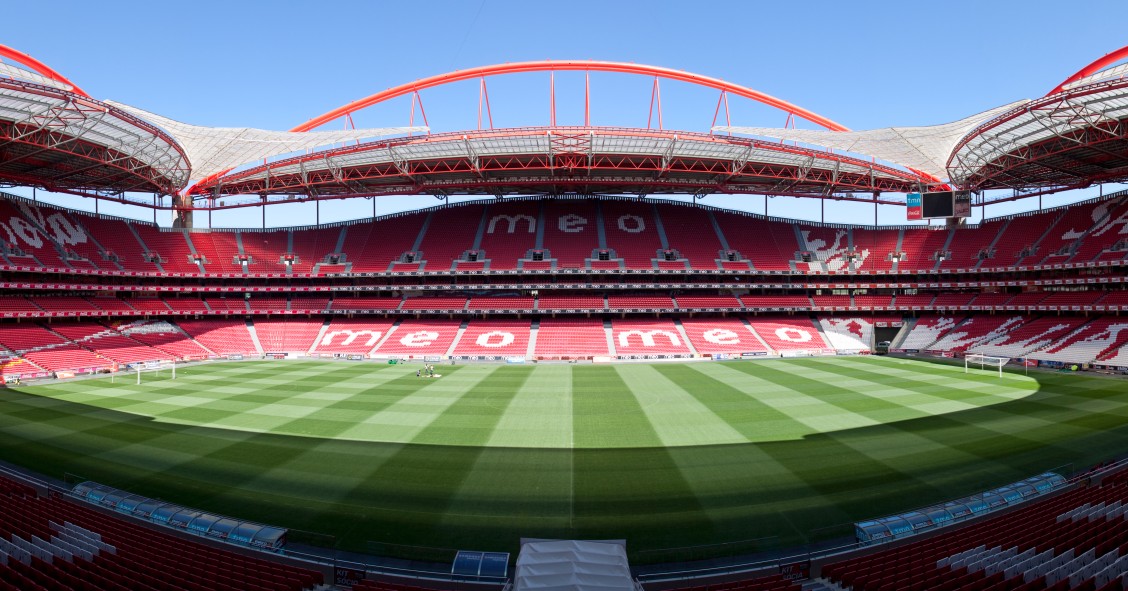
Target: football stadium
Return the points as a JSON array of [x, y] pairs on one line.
[[584, 356]]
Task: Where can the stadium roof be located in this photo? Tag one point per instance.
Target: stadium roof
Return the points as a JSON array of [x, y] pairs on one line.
[[557, 160], [1073, 137], [213, 150], [920, 148], [67, 142], [55, 136], [1068, 139]]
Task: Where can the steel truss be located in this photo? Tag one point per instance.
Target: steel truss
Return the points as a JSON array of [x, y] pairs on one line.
[[1067, 140], [565, 160], [64, 142]]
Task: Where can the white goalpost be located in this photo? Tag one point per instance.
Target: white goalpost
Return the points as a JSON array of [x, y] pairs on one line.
[[985, 361], [157, 368]]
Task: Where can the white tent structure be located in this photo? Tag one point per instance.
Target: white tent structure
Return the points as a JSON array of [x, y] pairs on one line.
[[213, 150], [921, 148], [573, 565]]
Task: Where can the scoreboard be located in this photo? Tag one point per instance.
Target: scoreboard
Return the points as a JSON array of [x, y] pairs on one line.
[[941, 204]]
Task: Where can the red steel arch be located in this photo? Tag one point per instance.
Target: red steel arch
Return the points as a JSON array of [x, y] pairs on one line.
[[39, 67], [1099, 64], [569, 65]]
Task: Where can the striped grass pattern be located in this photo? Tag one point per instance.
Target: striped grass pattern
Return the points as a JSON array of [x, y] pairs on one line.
[[661, 454]]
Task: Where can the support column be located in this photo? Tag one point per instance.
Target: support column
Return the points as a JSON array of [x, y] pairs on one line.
[[182, 212]]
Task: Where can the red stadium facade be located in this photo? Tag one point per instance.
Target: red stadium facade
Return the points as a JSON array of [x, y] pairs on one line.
[[567, 258]]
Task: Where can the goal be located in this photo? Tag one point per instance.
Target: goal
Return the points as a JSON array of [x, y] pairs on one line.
[[985, 361], [152, 369]]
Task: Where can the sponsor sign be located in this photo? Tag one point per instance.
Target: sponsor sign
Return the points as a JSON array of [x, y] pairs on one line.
[[913, 206], [347, 577], [235, 357], [961, 207], [796, 571]]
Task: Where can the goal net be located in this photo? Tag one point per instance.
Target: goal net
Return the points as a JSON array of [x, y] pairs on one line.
[[148, 370], [985, 362]]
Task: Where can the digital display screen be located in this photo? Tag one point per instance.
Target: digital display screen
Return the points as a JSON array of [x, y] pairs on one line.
[[937, 205]]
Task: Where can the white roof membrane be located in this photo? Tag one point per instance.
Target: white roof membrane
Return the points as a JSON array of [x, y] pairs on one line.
[[920, 148], [212, 150]]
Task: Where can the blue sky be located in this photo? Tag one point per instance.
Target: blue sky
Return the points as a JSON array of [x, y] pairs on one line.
[[275, 64]]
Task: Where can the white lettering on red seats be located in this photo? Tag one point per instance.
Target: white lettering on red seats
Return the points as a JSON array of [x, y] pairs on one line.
[[33, 213], [721, 336], [420, 338], [571, 223], [484, 338], [793, 335], [373, 336], [1108, 223], [647, 337], [8, 234], [513, 220], [833, 255], [850, 324], [64, 231], [27, 232], [639, 224], [1102, 221]]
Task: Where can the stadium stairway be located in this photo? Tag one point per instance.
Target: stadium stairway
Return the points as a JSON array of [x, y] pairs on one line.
[[992, 246], [320, 334], [906, 327], [758, 337], [685, 336], [254, 336], [387, 335], [822, 333], [457, 337], [610, 337], [530, 353]]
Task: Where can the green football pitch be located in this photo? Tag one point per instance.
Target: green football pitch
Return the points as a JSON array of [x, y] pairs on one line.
[[664, 455]]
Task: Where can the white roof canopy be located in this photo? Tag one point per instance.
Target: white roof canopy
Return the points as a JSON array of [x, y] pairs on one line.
[[10, 71], [212, 150], [920, 148], [34, 107], [536, 141], [573, 565], [1056, 115], [1107, 74]]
